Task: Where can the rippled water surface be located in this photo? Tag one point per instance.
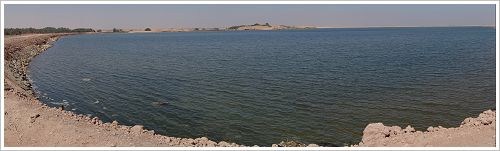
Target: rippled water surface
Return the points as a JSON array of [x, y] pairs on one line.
[[261, 87]]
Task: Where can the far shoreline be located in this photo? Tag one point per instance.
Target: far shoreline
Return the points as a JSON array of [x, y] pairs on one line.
[[310, 29], [274, 30]]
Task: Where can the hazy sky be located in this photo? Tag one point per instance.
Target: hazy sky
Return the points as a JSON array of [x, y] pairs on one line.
[[166, 16]]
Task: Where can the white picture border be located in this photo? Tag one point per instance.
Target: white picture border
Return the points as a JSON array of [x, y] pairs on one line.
[[3, 3]]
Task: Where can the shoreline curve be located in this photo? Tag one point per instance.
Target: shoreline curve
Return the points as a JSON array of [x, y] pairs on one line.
[[30, 122]]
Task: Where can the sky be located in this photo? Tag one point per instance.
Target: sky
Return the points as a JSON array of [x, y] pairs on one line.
[[175, 16]]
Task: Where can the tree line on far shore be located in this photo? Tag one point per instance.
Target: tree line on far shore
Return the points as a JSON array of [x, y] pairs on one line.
[[256, 24], [20, 31]]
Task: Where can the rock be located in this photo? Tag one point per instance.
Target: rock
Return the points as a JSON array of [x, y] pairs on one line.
[[175, 141], [486, 121], [430, 129], [204, 142], [208, 143], [159, 103], [313, 145], [126, 128], [137, 129], [395, 130], [95, 120], [409, 129], [274, 145], [291, 144], [167, 139], [435, 129], [485, 118], [204, 138], [187, 142], [33, 117], [114, 123], [374, 131], [224, 144], [211, 144]]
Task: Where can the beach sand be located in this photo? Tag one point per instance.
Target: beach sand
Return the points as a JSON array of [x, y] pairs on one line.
[[30, 123]]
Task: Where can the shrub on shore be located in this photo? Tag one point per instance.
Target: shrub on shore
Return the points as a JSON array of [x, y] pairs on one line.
[[20, 31], [117, 30]]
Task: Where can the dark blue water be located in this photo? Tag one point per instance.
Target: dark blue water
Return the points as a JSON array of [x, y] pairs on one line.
[[262, 87]]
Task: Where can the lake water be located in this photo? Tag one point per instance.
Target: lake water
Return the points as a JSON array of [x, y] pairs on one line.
[[261, 87]]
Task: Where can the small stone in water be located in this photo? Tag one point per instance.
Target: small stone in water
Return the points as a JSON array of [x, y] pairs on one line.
[[159, 103]]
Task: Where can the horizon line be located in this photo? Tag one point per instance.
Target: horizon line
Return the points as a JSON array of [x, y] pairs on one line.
[[319, 27]]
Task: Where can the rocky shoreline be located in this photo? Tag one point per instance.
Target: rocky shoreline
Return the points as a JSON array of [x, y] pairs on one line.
[[20, 50], [29, 122], [24, 113], [478, 132]]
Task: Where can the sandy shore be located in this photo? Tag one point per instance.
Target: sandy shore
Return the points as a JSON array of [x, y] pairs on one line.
[[29, 122]]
